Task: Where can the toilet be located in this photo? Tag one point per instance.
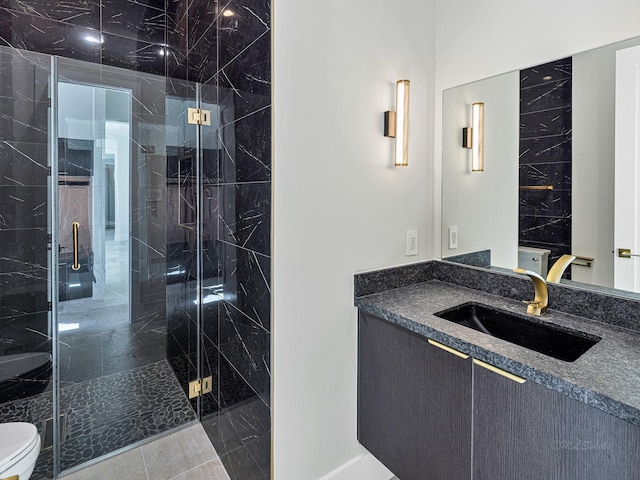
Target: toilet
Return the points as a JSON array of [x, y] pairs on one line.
[[534, 259], [19, 450]]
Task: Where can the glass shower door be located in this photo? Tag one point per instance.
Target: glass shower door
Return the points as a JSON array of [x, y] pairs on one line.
[[118, 135]]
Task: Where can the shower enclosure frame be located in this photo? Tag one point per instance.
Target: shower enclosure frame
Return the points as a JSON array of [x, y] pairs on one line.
[[53, 262]]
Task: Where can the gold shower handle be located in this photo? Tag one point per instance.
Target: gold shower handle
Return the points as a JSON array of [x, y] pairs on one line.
[[76, 264]]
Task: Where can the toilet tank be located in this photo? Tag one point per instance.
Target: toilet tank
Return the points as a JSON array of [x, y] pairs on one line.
[[534, 259]]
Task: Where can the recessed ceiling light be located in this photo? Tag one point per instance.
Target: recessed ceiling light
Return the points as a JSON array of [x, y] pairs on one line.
[[227, 13], [547, 77]]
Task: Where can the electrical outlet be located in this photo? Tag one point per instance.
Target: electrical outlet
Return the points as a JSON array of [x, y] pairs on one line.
[[453, 237], [412, 242]]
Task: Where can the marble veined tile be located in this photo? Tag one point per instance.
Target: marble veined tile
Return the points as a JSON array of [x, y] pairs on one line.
[[551, 230], [546, 149], [246, 156], [85, 13], [246, 216], [556, 203], [23, 164], [40, 34], [543, 97], [250, 71], [133, 54], [250, 21], [23, 207], [547, 73], [555, 121], [23, 250], [134, 20], [245, 345], [246, 283], [557, 174], [23, 120], [24, 75]]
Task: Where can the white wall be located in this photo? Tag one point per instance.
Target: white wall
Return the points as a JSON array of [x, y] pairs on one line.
[[479, 225], [476, 40], [339, 207], [118, 144]]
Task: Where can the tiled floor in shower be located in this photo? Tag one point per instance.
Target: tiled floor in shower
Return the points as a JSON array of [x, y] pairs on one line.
[[183, 455], [111, 412]]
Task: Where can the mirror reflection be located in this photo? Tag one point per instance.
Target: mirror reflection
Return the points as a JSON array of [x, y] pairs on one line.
[[559, 175]]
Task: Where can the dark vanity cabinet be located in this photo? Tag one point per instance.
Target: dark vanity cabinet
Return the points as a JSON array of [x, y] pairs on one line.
[[529, 432], [427, 414], [414, 403]]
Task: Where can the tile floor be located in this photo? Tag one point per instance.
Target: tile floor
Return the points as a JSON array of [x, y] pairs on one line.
[[183, 455]]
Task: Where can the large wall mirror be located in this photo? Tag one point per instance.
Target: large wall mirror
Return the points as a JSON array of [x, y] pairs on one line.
[[561, 169]]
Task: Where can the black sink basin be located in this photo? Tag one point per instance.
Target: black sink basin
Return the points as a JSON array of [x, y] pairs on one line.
[[558, 342]]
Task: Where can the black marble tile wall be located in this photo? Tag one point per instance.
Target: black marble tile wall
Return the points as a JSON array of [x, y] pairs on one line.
[[545, 158], [146, 36], [24, 318], [241, 350], [228, 51]]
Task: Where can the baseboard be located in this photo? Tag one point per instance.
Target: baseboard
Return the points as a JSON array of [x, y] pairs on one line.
[[363, 467]]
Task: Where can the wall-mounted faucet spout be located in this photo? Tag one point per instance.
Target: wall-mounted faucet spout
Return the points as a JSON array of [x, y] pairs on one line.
[[538, 305], [555, 273]]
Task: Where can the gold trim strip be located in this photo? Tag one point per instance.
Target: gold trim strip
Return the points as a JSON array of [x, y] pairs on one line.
[[14, 477], [536, 187], [499, 371], [448, 349]]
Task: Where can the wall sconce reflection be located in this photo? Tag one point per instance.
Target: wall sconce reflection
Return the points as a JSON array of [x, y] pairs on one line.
[[396, 124], [473, 137]]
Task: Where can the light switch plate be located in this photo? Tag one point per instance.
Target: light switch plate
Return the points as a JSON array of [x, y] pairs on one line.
[[453, 237], [412, 242]]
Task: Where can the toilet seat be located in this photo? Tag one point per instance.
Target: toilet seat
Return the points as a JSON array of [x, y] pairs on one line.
[[17, 440]]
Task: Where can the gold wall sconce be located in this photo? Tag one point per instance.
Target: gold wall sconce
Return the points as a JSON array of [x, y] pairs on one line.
[[396, 124], [473, 137]]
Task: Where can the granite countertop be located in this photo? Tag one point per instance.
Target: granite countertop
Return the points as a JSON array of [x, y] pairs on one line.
[[607, 376]]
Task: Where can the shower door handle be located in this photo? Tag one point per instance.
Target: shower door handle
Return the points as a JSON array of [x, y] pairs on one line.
[[76, 264]]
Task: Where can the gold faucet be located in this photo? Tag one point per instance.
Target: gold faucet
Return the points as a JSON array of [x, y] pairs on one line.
[[559, 267], [538, 305]]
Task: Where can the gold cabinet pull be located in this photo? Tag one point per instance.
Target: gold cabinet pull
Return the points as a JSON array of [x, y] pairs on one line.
[[448, 349], [76, 264], [499, 371]]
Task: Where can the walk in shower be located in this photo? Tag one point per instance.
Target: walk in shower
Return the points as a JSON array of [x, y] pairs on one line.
[[120, 280]]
